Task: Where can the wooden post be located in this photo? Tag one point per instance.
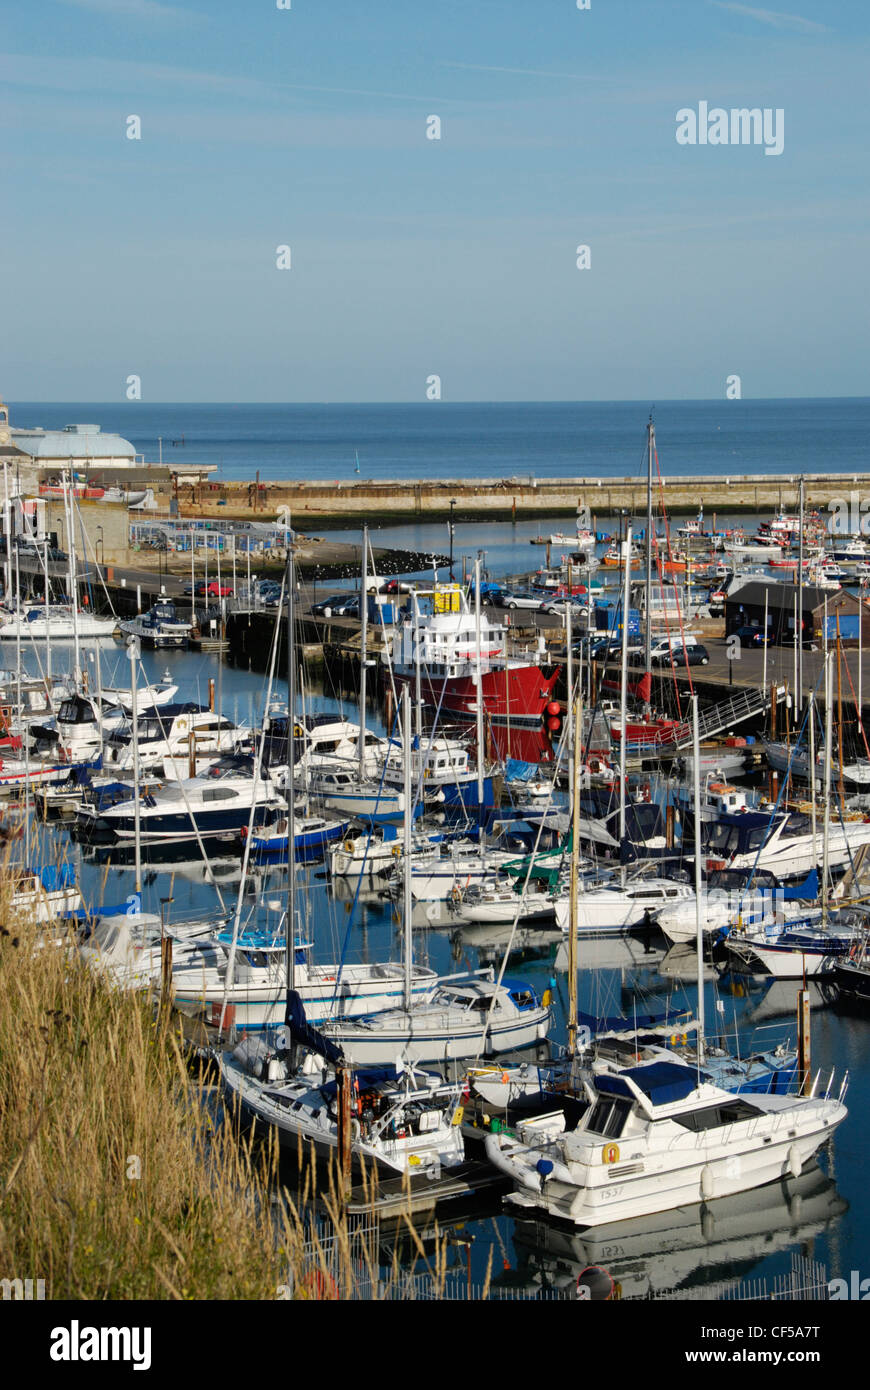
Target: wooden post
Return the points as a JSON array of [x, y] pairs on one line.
[[804, 1044], [669, 825], [344, 1137], [773, 711], [165, 974]]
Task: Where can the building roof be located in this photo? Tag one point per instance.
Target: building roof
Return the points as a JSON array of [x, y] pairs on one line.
[[73, 441], [782, 596]]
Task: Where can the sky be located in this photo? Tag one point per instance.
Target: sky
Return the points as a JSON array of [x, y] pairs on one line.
[[413, 258]]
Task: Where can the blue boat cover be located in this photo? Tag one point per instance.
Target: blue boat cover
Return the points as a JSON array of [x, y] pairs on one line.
[[517, 771], [663, 1082], [301, 1031], [54, 876]]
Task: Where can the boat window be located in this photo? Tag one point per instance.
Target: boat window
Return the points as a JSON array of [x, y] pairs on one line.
[[219, 794], [608, 1117], [716, 1116]]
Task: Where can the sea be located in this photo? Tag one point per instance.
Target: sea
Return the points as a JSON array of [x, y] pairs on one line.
[[445, 439], [695, 1253]]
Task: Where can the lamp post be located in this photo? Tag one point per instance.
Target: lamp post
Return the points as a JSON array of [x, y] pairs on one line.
[[450, 524]]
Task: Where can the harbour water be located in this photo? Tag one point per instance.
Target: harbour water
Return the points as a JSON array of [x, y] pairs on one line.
[[826, 1218]]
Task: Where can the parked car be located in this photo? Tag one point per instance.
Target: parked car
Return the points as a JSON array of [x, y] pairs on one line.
[[338, 606], [212, 589], [682, 653], [750, 636], [576, 603], [328, 605], [517, 598]]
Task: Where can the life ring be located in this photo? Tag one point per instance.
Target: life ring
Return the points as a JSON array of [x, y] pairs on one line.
[[610, 1153], [348, 846], [181, 725]]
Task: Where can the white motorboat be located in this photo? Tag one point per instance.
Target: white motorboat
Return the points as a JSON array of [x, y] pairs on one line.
[[653, 1139], [461, 1020], [256, 997], [160, 627], [612, 908], [495, 902], [219, 803], [172, 731], [436, 876]]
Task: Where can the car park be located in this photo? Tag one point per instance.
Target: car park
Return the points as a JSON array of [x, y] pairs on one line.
[[517, 598]]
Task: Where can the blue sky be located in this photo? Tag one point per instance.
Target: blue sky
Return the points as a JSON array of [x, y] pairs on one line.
[[411, 257]]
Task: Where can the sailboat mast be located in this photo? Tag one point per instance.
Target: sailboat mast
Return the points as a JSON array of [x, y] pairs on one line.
[[576, 706], [364, 626], [623, 689], [406, 839], [826, 831], [68, 513], [478, 680], [800, 580], [699, 926], [647, 641], [812, 770], [291, 772], [133, 654]]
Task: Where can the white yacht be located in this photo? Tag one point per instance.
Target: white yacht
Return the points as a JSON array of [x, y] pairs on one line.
[[36, 622], [652, 1139]]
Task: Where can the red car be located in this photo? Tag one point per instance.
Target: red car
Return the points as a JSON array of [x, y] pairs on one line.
[[210, 590]]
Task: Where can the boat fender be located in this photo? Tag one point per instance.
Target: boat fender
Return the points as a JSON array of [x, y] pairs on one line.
[[708, 1182], [544, 1166], [795, 1208], [795, 1162]]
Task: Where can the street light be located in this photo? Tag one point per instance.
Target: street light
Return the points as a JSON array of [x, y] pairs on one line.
[[450, 524]]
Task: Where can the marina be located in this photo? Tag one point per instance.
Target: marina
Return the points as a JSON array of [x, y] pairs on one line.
[[557, 879]]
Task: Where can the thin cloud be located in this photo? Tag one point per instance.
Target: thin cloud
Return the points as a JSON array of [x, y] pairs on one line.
[[774, 18], [134, 9], [526, 72], [99, 75]]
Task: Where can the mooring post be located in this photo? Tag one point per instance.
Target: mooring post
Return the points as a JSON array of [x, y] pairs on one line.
[[804, 1045], [344, 1127]]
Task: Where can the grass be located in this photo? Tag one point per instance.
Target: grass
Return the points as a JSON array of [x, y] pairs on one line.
[[118, 1178], [121, 1176]]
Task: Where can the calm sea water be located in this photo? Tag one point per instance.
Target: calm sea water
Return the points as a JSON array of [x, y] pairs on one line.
[[826, 1216], [442, 439]]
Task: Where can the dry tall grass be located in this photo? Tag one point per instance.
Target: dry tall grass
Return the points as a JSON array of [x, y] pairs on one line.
[[117, 1177]]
